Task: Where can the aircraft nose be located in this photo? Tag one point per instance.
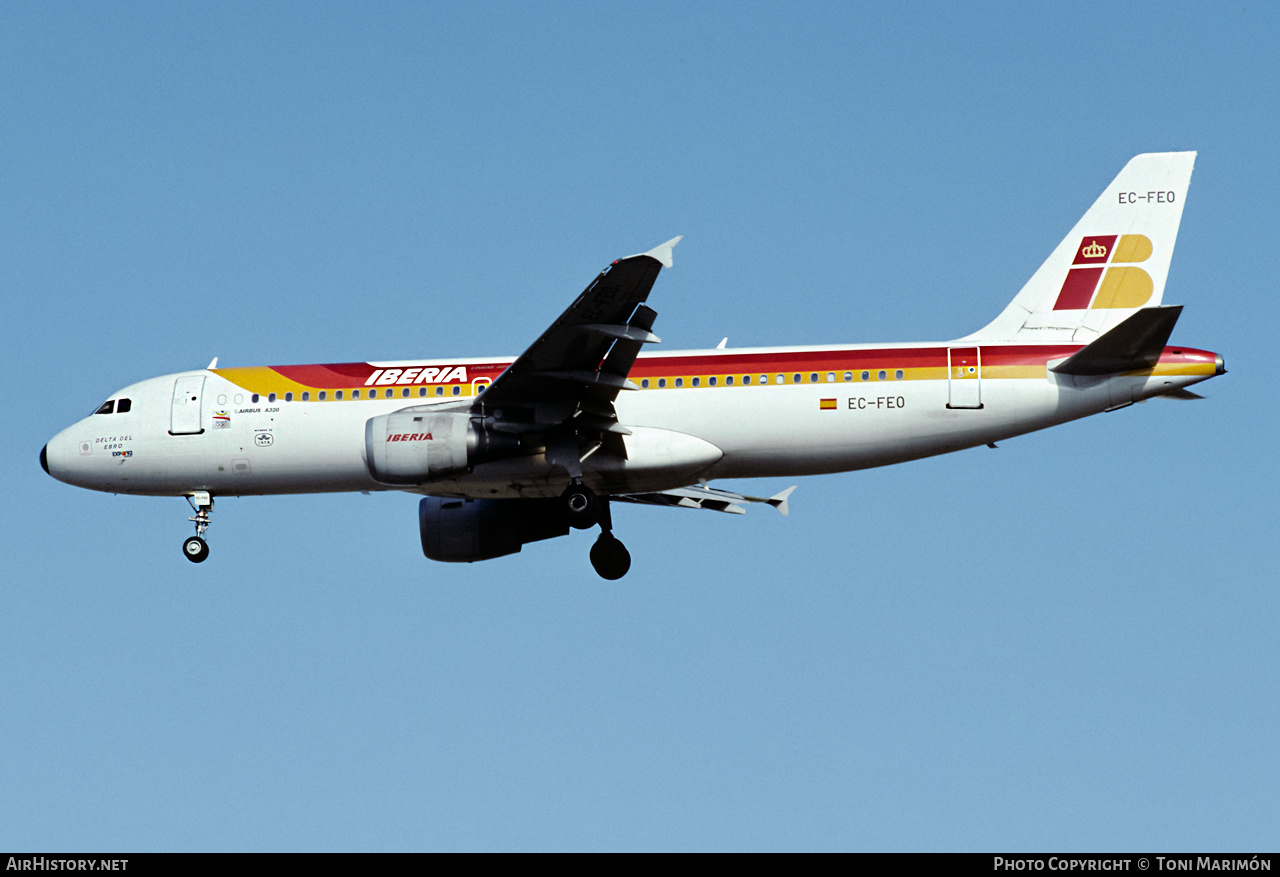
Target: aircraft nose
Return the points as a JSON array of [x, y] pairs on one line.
[[54, 457]]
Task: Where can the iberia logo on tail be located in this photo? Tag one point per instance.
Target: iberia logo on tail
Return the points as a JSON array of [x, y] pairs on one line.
[[1122, 285]]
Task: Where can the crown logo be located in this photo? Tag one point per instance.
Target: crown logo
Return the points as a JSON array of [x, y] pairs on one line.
[[1095, 250]]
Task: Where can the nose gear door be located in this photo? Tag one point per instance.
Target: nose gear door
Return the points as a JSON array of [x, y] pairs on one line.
[[184, 416]]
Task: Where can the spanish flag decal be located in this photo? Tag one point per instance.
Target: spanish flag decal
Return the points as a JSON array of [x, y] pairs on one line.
[[827, 404]]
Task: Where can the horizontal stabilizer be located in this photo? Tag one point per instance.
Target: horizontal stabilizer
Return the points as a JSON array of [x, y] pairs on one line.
[[1133, 345]]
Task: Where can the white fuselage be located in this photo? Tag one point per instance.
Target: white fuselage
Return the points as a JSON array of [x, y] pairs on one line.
[[831, 419]]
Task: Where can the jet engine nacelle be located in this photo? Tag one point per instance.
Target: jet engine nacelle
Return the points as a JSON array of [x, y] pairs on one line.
[[410, 447], [467, 530]]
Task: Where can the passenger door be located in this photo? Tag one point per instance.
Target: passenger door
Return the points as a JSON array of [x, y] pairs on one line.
[[184, 416]]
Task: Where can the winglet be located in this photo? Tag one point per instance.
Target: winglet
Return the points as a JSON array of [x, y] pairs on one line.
[[213, 364], [662, 252], [779, 500]]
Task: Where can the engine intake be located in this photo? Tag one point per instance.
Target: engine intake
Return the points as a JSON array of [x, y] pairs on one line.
[[467, 530]]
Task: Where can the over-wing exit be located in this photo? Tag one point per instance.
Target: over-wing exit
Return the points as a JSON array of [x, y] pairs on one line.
[[510, 451]]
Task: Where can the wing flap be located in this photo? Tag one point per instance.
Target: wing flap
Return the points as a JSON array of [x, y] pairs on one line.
[[702, 496], [623, 333]]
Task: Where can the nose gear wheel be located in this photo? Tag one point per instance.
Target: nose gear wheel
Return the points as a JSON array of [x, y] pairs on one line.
[[195, 549]]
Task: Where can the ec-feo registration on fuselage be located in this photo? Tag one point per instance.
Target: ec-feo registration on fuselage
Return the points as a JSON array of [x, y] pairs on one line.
[[507, 452]]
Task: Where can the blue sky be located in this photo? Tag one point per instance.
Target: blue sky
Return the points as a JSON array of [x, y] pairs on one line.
[[1067, 643]]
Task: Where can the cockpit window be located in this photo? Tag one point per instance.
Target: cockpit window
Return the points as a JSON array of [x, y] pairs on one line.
[[108, 407], [123, 405]]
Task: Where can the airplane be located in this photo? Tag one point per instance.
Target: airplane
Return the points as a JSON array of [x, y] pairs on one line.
[[508, 451]]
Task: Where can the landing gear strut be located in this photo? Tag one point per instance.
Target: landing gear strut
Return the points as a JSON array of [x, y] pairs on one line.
[[196, 549], [609, 556]]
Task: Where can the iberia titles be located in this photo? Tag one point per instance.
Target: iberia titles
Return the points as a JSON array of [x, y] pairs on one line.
[[416, 375]]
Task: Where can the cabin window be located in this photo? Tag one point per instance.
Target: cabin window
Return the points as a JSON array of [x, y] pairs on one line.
[[288, 397], [782, 379], [644, 384], [271, 397], [662, 383], [338, 395], [746, 379], [679, 382], [848, 376], [711, 382], [456, 389], [831, 377], [422, 391], [897, 376], [123, 406], [866, 376], [439, 390], [813, 377], [728, 381], [880, 375], [405, 393], [108, 407], [764, 379], [306, 396], [322, 395], [795, 379], [694, 382]]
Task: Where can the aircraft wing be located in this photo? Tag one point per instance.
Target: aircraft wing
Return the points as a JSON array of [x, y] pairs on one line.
[[580, 364], [703, 497]]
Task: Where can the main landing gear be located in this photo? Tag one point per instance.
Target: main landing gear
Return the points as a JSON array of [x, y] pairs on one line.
[[609, 556], [196, 549]]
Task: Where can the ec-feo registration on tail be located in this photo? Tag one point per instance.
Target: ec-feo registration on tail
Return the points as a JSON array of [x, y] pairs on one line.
[[507, 451]]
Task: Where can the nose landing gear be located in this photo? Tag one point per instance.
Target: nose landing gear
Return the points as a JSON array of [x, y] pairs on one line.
[[195, 549]]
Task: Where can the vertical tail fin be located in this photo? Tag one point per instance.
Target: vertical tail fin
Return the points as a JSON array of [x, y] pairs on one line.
[[1114, 262]]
